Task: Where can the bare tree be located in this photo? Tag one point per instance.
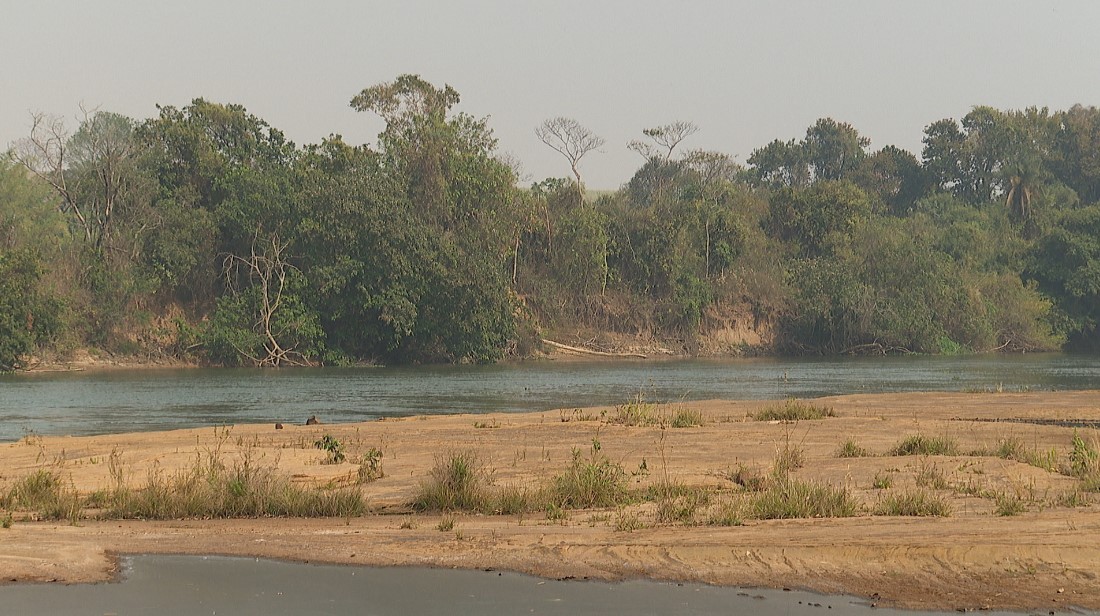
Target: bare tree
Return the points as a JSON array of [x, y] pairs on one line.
[[568, 138], [665, 139], [267, 268], [92, 171]]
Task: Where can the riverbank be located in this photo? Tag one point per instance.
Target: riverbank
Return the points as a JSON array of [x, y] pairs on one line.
[[1044, 555]]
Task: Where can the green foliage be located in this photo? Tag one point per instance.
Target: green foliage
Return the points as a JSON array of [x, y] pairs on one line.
[[423, 249], [332, 447], [370, 466], [29, 317]]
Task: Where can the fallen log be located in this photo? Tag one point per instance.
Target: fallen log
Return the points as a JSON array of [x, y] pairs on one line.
[[566, 347]]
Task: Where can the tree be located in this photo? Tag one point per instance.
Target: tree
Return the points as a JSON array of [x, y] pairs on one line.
[[665, 138], [833, 149], [569, 138], [781, 164], [28, 317], [96, 172]]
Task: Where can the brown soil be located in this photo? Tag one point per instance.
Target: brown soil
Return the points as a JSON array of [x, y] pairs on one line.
[[1044, 558]]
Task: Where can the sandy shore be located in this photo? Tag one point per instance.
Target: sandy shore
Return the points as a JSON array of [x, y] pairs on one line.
[[1047, 557]]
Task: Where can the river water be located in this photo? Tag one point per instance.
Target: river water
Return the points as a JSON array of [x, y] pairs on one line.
[[104, 402], [186, 585]]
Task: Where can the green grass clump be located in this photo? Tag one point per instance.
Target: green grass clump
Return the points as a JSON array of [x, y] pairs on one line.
[[917, 502], [44, 493], [637, 412], [243, 490], [882, 481], [729, 512], [793, 410], [850, 449], [792, 499], [1008, 504], [686, 418], [458, 481], [589, 482], [920, 445], [677, 502]]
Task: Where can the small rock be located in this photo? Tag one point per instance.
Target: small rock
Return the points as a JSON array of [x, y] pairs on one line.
[[312, 421], [278, 426]]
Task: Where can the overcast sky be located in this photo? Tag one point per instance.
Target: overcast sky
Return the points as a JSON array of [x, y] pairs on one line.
[[745, 72]]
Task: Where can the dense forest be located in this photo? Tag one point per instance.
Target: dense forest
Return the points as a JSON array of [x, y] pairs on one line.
[[204, 234]]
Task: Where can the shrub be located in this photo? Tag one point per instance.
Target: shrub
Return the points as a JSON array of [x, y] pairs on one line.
[[331, 446], [370, 466]]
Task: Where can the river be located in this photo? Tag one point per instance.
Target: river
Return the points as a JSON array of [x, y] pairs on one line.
[[112, 401]]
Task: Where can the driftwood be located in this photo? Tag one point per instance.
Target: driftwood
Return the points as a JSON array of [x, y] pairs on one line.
[[574, 349]]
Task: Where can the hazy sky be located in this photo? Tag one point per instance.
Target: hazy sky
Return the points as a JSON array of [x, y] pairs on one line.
[[745, 72]]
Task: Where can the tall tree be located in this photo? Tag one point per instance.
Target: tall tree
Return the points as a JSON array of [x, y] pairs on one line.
[[569, 138]]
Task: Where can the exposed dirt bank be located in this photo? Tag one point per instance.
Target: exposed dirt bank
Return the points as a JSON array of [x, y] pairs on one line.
[[1046, 557]]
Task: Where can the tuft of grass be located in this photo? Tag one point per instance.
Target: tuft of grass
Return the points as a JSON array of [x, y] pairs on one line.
[[929, 475], [637, 412], [918, 502], [512, 499], [628, 521], [920, 445], [686, 418], [211, 490], [749, 477], [729, 512], [446, 523], [677, 502], [793, 410], [590, 482], [458, 481], [44, 493], [850, 449], [1006, 504], [882, 481], [792, 499], [1084, 461]]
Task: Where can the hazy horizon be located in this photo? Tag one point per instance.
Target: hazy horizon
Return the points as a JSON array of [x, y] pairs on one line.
[[745, 73]]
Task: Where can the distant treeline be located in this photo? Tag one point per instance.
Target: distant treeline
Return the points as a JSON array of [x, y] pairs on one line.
[[203, 233]]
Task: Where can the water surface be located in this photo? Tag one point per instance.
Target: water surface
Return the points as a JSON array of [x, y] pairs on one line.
[[185, 585], [122, 401]]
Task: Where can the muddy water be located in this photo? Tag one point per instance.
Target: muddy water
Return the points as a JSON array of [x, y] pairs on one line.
[[180, 585], [124, 401]]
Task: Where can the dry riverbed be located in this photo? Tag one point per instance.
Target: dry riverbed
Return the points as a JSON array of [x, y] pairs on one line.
[[1022, 529]]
